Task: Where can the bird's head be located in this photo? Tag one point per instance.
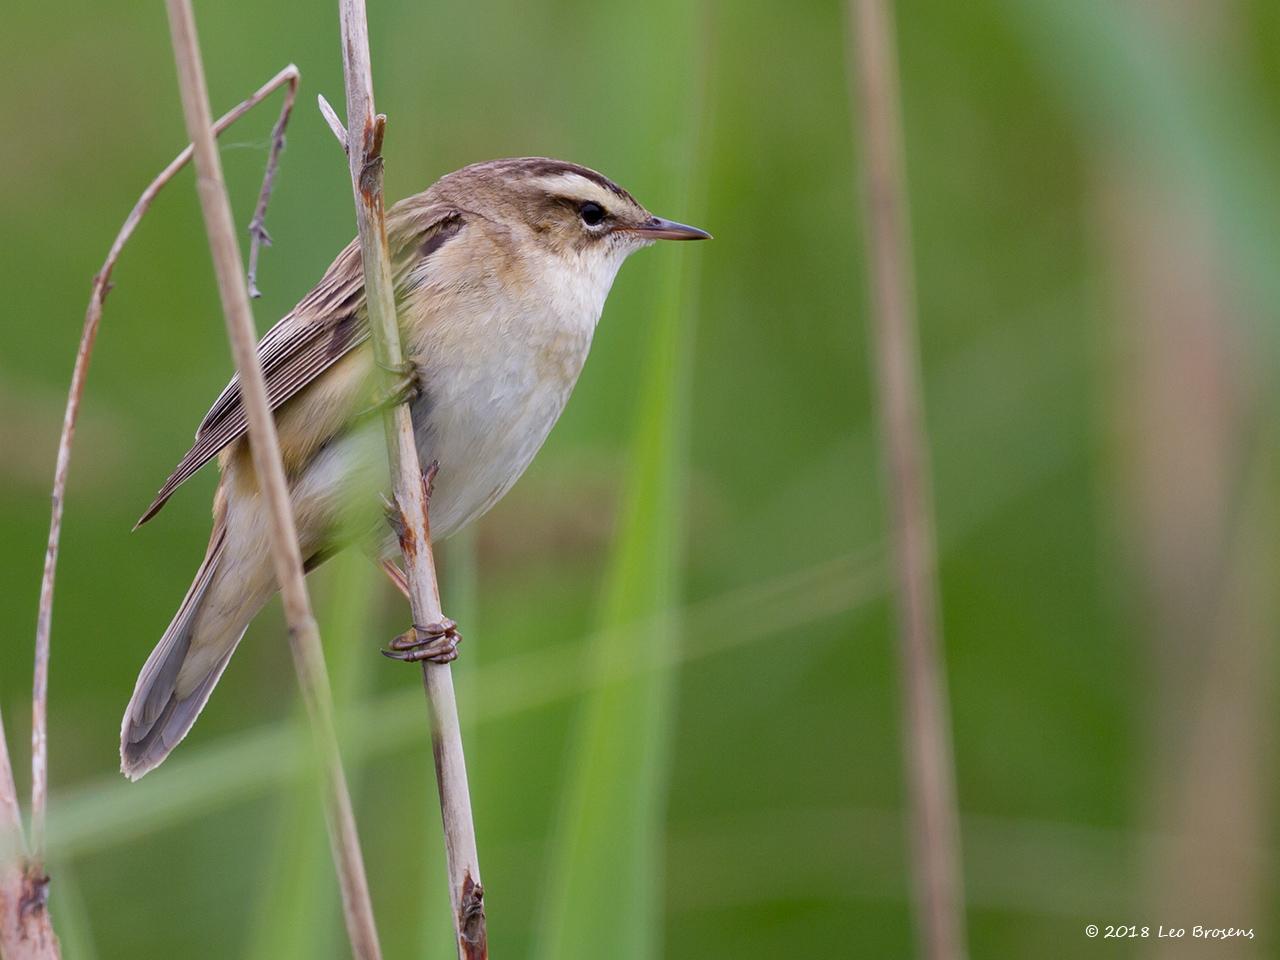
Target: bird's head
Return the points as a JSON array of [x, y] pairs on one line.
[[561, 208]]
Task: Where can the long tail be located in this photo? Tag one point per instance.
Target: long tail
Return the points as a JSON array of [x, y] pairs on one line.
[[181, 672]]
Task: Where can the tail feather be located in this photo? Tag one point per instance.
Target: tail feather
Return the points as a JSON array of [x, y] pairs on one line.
[[158, 715]]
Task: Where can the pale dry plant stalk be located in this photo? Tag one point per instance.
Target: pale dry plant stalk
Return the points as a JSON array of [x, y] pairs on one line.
[[933, 822], [363, 144], [304, 636], [26, 930]]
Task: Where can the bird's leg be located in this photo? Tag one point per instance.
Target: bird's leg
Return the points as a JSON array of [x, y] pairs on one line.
[[395, 575], [405, 388], [429, 481], [437, 641]]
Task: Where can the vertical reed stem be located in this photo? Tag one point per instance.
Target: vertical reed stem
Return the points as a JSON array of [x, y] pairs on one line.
[[926, 728], [304, 636], [364, 152]]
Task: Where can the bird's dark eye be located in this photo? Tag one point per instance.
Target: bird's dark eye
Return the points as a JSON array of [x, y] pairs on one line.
[[591, 213]]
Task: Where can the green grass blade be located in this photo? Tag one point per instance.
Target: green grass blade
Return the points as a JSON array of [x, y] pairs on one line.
[[608, 846], [612, 820]]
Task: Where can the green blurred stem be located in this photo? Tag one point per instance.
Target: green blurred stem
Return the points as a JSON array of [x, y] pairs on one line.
[[611, 827], [605, 886], [74, 927]]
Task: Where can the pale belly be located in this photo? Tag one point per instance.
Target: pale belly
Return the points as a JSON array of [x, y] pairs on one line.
[[483, 431]]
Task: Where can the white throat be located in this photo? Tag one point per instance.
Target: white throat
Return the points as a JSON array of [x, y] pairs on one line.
[[577, 284]]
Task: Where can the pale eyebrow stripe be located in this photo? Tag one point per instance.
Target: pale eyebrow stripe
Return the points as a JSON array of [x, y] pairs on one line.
[[575, 185]]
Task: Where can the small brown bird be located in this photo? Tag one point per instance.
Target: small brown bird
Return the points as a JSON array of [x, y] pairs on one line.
[[501, 272]]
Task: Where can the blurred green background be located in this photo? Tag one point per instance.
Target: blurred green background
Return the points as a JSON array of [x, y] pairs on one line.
[[680, 678]]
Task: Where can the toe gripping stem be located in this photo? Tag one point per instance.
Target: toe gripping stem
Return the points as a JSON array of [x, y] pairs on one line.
[[405, 388], [436, 642]]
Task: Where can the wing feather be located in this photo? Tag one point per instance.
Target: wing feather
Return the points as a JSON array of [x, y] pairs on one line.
[[326, 325]]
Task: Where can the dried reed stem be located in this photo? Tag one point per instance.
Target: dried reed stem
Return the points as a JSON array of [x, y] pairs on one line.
[[364, 153], [92, 318], [26, 931], [303, 634], [927, 741]]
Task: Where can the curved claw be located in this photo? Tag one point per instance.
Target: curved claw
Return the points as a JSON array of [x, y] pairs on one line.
[[436, 642], [445, 654]]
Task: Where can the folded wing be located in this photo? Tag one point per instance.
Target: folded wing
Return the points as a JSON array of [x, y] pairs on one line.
[[326, 325]]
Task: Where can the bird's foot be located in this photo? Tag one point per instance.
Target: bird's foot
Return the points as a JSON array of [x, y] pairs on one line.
[[405, 388], [436, 642]]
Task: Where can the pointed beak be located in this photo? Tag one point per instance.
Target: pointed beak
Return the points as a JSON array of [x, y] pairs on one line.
[[655, 228]]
